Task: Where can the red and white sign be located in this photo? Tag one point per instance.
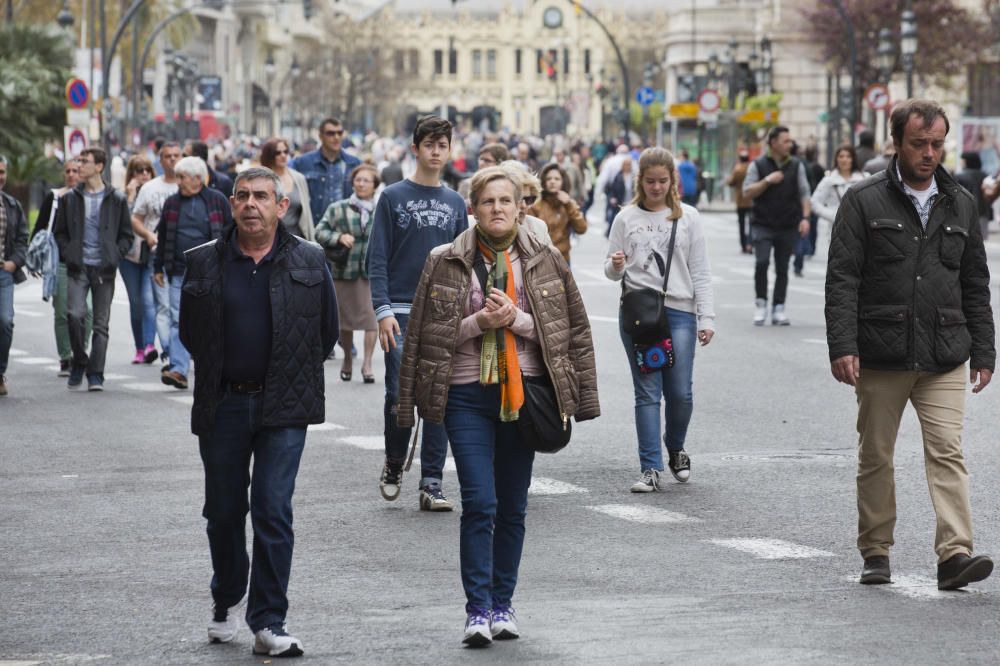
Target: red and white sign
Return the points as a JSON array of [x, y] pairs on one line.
[[709, 100], [877, 97], [75, 140]]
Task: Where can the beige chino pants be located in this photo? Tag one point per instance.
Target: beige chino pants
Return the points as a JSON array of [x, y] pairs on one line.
[[939, 400]]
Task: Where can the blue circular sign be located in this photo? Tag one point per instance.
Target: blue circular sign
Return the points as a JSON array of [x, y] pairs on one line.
[[77, 94], [645, 96]]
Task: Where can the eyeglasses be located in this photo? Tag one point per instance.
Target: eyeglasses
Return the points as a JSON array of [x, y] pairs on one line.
[[339, 132], [530, 199]]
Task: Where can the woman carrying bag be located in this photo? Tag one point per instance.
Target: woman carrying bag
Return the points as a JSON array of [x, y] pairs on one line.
[[495, 316], [657, 246]]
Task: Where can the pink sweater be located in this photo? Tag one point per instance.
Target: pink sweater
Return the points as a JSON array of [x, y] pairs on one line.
[[465, 368]]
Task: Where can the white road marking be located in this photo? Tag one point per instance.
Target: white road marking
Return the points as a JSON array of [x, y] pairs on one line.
[[544, 486], [638, 513], [183, 399], [17, 352], [147, 387], [771, 549], [35, 360], [806, 290], [321, 427], [610, 320], [371, 443], [921, 587], [115, 377], [814, 341], [69, 476], [23, 312]]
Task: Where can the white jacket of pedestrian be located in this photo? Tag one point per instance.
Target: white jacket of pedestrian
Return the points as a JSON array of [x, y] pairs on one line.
[[830, 191]]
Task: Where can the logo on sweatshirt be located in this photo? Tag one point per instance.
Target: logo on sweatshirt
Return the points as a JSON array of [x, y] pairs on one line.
[[426, 213]]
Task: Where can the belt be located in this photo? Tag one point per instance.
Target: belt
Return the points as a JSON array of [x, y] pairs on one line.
[[246, 387]]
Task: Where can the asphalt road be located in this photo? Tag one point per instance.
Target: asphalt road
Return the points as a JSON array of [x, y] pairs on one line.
[[104, 559]]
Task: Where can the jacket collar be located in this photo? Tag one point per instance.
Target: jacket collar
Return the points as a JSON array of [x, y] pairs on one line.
[[228, 237], [81, 188], [946, 184], [465, 246]]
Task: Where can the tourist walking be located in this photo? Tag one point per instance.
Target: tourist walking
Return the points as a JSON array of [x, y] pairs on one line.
[[298, 219], [13, 253], [137, 270], [557, 208]]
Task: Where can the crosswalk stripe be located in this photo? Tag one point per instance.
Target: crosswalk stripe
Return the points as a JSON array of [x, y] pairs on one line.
[[34, 360], [18, 352], [637, 513], [146, 387], [322, 427], [541, 485], [771, 549], [23, 312]]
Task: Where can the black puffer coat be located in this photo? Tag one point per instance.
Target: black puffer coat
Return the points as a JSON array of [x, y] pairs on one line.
[[902, 298]]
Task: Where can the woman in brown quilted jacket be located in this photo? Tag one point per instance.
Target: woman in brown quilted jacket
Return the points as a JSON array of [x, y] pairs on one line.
[[557, 208], [492, 310]]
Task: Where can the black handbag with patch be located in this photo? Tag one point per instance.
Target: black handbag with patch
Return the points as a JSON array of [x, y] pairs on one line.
[[643, 316]]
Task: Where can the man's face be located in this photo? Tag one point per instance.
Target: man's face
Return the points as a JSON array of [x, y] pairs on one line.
[[921, 149], [781, 145], [168, 158], [71, 173], [188, 185], [88, 168], [433, 152], [255, 209], [332, 137], [3, 175]]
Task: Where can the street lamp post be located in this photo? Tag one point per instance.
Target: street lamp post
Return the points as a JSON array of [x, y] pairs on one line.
[[269, 71], [908, 44], [730, 59]]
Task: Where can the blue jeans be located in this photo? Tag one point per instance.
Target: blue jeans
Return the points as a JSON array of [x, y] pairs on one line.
[[141, 308], [494, 472], [180, 358], [6, 317], [434, 445], [161, 300], [673, 384], [226, 452]]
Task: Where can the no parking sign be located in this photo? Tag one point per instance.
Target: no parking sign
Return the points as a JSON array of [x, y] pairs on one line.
[[77, 94], [75, 140]]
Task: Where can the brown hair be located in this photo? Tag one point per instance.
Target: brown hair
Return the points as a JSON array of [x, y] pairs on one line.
[[364, 166], [854, 157], [497, 151], [137, 163], [269, 151], [433, 127], [927, 110], [100, 157], [552, 166], [658, 157]]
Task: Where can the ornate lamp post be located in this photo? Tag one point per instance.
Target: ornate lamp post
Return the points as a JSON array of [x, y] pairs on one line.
[[269, 71], [908, 45]]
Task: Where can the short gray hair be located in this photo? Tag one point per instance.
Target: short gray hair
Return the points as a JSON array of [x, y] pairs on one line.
[[256, 173], [192, 166], [4, 160]]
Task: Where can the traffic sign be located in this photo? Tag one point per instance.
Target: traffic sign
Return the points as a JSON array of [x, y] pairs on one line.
[[76, 140], [759, 116], [645, 96], [709, 100], [877, 97], [77, 94], [686, 110]]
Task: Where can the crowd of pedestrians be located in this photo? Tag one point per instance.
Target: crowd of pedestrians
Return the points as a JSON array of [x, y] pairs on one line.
[[252, 280]]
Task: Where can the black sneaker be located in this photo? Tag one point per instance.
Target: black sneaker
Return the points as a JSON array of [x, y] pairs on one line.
[[960, 570], [391, 480], [95, 382], [876, 571], [75, 380], [64, 368], [680, 465]]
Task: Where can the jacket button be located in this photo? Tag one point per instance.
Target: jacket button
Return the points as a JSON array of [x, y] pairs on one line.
[[434, 293], [916, 238], [918, 277], [947, 228], [900, 226], [545, 292]]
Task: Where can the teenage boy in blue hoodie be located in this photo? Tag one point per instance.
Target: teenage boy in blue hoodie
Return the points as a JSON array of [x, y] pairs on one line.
[[412, 217]]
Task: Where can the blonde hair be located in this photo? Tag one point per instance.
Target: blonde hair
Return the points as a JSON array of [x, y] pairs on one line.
[[488, 175], [658, 157], [521, 173]]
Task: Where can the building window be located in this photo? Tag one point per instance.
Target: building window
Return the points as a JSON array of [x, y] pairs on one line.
[[399, 58], [565, 61], [414, 61], [539, 56], [452, 61], [477, 64], [517, 62], [491, 64], [438, 62], [586, 61]]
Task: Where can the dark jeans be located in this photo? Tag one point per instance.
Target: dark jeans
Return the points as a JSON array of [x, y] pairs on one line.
[[6, 317], [226, 452], [743, 219], [494, 472], [434, 445], [782, 241], [806, 247], [102, 291]]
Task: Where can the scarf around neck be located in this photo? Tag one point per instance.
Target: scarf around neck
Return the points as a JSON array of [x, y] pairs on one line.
[[363, 206], [498, 363]]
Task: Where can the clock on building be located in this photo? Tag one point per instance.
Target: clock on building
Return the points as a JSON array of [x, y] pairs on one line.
[[552, 18]]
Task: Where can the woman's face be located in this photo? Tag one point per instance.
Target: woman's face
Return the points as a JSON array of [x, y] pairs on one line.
[[843, 161], [553, 181], [656, 184], [143, 176], [281, 156], [496, 210], [364, 184]]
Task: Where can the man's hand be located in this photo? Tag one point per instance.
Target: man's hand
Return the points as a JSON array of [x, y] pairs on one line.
[[388, 329], [775, 177], [804, 228], [984, 378], [9, 266], [158, 279], [846, 370]]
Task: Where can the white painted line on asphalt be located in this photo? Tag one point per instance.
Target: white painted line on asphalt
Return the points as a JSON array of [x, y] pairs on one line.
[[23, 312], [637, 513], [321, 427], [17, 352], [35, 360], [806, 290], [8, 662], [115, 377], [371, 443], [814, 341], [543, 486], [921, 587], [609, 320], [147, 387], [68, 476], [771, 549], [183, 399]]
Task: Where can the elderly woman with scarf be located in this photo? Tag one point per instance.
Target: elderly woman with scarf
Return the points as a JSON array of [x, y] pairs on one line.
[[346, 224], [492, 310]]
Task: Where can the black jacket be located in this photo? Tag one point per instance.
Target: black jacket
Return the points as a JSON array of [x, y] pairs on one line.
[[15, 247], [902, 298], [304, 331], [115, 229]]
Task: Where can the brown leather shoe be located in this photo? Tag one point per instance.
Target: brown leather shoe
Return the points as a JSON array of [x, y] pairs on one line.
[[175, 379]]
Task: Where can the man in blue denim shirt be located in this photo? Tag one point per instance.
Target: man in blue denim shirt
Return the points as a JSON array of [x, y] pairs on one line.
[[328, 169]]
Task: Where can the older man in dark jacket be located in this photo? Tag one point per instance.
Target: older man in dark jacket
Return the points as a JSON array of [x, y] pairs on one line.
[[259, 316], [907, 304]]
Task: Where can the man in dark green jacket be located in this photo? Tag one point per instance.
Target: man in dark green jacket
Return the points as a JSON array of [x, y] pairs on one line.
[[907, 304]]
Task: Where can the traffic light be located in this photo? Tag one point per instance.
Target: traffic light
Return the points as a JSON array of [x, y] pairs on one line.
[[550, 65], [307, 9], [847, 105]]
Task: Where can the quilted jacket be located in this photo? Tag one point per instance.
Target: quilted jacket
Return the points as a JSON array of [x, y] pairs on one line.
[[902, 298], [439, 306]]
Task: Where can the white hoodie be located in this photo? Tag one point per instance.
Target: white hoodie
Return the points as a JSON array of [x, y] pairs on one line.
[[829, 192]]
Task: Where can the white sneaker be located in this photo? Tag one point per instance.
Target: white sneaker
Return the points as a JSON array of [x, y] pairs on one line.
[[224, 625], [503, 623], [277, 643], [778, 317], [432, 499], [648, 482], [760, 312], [391, 481], [477, 627]]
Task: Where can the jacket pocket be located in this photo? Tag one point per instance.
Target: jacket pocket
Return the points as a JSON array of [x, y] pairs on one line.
[[197, 288], [888, 239], [306, 291], [882, 333], [443, 303], [953, 240], [550, 298], [952, 340]]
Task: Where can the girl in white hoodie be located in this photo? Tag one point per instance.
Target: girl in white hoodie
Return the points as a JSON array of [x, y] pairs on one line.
[[829, 192]]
